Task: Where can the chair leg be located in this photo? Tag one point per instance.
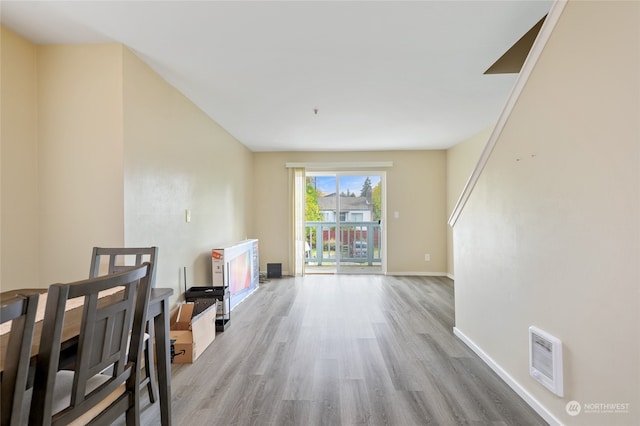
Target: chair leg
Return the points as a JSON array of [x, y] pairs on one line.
[[149, 369], [132, 416]]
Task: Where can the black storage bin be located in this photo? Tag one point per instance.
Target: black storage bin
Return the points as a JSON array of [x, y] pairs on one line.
[[203, 297]]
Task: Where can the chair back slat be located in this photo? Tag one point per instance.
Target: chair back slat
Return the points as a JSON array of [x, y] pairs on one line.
[[121, 258], [22, 314]]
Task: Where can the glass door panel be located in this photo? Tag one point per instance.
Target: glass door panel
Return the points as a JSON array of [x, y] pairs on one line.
[[344, 222], [360, 213]]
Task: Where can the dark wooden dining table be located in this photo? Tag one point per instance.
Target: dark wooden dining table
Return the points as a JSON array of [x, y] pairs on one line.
[[158, 311]]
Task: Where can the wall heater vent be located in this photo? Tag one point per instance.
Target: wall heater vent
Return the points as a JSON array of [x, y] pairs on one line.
[[545, 360]]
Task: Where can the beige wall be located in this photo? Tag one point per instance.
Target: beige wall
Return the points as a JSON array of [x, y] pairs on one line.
[[61, 154], [19, 171], [461, 160], [177, 158], [551, 233], [79, 156], [99, 150], [415, 188]]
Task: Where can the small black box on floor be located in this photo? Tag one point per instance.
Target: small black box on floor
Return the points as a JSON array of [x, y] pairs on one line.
[[274, 270]]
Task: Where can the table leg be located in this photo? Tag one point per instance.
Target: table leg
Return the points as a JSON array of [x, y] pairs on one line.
[[161, 333]]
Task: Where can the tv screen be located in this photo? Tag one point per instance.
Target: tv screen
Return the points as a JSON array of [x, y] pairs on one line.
[[240, 273], [238, 267]]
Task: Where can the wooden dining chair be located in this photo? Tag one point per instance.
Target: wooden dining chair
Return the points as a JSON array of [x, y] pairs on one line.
[[113, 259], [104, 382], [21, 311]]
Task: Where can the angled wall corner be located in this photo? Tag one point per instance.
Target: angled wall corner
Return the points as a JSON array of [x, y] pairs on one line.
[[549, 236], [527, 68]]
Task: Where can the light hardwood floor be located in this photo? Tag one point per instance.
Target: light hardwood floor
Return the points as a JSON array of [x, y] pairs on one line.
[[342, 350]]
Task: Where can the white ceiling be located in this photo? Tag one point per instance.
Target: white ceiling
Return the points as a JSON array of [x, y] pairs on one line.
[[383, 74]]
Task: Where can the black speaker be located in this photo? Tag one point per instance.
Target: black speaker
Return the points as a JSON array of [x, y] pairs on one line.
[[274, 270]]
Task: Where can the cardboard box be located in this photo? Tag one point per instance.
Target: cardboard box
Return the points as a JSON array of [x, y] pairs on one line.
[[192, 334]]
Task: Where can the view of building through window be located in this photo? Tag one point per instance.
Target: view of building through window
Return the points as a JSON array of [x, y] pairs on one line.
[[360, 198], [343, 217]]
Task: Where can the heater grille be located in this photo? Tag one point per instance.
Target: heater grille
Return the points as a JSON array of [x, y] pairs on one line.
[[545, 360]]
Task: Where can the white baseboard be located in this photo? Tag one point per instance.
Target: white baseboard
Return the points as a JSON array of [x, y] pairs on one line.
[[417, 274], [513, 384], [284, 273], [451, 277]]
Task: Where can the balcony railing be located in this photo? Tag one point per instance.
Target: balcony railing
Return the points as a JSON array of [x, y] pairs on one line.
[[359, 242]]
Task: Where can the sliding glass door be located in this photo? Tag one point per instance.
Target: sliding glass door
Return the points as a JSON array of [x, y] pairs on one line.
[[344, 222]]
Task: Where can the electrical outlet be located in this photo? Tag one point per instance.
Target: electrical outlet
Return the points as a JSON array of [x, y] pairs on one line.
[[427, 257], [187, 215]]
